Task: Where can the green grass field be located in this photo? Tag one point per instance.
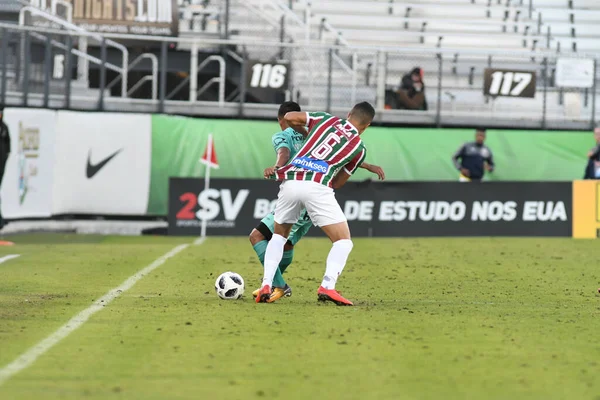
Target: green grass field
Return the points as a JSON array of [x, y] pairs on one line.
[[434, 319]]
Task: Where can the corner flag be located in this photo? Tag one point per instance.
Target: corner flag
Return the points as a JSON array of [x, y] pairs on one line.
[[210, 156], [210, 160]]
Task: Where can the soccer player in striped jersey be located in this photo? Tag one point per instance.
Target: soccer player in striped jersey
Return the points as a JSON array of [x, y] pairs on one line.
[[286, 144], [332, 152]]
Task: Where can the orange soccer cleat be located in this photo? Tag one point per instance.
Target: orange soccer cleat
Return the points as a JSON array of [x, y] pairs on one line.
[[334, 296], [264, 294], [278, 293]]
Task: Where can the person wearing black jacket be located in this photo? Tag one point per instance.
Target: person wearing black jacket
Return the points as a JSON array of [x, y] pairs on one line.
[[411, 93], [4, 152], [475, 158], [592, 169]]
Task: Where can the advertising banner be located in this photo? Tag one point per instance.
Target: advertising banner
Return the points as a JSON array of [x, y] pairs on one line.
[[102, 164], [136, 17], [586, 209], [27, 183], [406, 154], [234, 207]]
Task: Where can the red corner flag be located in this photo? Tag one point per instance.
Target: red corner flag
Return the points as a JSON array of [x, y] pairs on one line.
[[210, 156]]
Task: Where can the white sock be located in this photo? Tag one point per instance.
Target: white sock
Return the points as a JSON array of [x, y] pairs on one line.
[[273, 256], [336, 261]]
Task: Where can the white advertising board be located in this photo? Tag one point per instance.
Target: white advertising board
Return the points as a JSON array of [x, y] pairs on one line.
[[27, 184], [103, 163], [574, 73]]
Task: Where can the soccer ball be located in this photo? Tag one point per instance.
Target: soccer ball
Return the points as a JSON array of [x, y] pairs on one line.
[[229, 286]]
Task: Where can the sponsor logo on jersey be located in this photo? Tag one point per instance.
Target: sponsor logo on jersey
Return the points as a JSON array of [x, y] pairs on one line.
[[311, 164]]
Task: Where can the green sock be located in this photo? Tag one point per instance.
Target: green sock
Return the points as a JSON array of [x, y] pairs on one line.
[[260, 248], [288, 256]]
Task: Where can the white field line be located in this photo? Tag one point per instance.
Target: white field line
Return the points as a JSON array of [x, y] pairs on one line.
[[31, 355], [9, 257]]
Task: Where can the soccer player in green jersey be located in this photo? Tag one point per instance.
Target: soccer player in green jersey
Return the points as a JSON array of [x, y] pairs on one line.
[[286, 144], [331, 153]]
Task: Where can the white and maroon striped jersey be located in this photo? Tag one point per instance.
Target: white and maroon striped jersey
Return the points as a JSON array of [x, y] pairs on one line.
[[332, 144]]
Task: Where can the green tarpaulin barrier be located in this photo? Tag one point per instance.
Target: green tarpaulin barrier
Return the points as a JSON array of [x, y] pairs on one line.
[[244, 149]]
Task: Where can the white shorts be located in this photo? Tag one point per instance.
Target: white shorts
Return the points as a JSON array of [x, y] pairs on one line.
[[319, 200]]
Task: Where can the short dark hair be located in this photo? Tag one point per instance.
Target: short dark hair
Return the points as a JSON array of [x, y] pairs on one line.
[[363, 112], [287, 107], [480, 130]]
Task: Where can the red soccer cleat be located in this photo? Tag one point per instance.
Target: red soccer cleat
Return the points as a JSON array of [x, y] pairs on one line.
[[264, 294], [334, 296]]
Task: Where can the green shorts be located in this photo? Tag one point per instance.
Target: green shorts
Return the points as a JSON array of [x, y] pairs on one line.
[[299, 229]]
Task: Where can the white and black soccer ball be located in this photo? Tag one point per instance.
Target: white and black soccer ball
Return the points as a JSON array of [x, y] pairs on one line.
[[229, 286]]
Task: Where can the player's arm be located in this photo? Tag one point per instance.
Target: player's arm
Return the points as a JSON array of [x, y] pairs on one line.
[[283, 156], [297, 120], [457, 156], [455, 159], [490, 162], [282, 148], [301, 130], [375, 169], [345, 173], [340, 179]]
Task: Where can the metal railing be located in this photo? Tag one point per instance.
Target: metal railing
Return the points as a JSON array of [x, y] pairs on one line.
[[454, 80], [153, 77], [84, 35], [192, 79]]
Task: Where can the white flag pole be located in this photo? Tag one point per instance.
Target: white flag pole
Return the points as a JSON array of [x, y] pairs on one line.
[[207, 178]]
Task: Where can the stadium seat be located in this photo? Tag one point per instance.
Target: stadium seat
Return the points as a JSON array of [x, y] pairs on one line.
[[9, 6], [441, 25]]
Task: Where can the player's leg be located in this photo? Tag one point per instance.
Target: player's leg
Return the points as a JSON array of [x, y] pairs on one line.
[[299, 229], [280, 287], [287, 212], [283, 290], [339, 234], [259, 239], [273, 256], [259, 244], [326, 213], [286, 260]]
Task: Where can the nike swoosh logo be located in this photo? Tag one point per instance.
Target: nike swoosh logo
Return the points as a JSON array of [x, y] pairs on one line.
[[92, 170]]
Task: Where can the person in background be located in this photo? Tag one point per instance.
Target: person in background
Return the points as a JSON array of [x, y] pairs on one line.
[[592, 170], [411, 94], [475, 158], [4, 152]]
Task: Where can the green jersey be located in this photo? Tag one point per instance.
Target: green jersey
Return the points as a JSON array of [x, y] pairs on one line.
[[289, 139]]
